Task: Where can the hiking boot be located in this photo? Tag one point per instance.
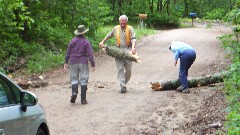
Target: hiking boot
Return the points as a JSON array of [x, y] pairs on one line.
[[186, 90], [180, 89], [123, 90], [84, 102], [83, 94], [74, 93], [73, 98]]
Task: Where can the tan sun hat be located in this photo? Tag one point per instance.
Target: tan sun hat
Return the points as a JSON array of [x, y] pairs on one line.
[[80, 30]]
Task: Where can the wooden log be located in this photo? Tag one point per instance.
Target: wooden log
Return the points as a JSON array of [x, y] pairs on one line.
[[192, 82], [119, 53]]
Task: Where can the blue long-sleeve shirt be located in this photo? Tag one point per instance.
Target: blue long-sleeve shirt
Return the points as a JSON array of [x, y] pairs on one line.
[[178, 47]]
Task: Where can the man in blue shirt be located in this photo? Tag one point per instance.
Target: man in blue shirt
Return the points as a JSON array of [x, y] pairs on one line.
[[187, 56]]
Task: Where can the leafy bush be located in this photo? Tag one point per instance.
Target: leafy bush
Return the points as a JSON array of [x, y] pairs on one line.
[[159, 21], [232, 85], [233, 16], [40, 62], [14, 18], [215, 14], [14, 48]]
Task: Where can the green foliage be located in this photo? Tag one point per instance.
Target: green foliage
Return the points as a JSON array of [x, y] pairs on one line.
[[163, 21], [40, 62], [215, 14], [143, 32], [100, 35], [233, 16], [232, 85], [52, 37], [14, 48], [49, 33], [14, 16]]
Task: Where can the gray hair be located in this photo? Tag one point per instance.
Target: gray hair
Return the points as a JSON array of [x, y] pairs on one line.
[[123, 16]]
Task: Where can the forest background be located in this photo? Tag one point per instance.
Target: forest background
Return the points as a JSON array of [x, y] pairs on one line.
[[34, 34]]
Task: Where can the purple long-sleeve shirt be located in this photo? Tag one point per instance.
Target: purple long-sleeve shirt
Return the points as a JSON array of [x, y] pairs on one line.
[[79, 51]]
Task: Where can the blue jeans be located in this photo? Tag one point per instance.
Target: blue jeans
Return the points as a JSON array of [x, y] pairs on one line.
[[187, 58]]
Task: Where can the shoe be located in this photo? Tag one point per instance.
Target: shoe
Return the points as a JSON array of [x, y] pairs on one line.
[[84, 102], [186, 90], [123, 90], [83, 94], [74, 93], [73, 98], [180, 89]]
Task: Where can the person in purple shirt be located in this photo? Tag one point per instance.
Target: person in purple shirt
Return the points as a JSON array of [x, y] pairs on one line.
[[187, 56], [79, 52]]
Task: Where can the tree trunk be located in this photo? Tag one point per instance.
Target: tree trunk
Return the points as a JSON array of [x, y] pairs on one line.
[[119, 53], [168, 4], [120, 3], [24, 33], [186, 8], [161, 5], [113, 5], [151, 5], [192, 82]]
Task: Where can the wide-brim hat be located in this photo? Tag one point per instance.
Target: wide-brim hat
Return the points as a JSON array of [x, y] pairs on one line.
[[80, 30]]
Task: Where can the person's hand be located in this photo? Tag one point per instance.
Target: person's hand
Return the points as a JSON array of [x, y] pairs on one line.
[[101, 44], [65, 67], [133, 51], [175, 63], [93, 69]]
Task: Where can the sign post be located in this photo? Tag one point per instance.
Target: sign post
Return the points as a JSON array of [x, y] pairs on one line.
[[142, 17], [193, 16]]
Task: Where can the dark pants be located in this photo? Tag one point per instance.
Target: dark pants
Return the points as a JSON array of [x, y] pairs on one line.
[[186, 60]]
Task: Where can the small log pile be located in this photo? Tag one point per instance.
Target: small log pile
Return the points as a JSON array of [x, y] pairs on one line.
[[119, 53], [192, 82], [31, 82]]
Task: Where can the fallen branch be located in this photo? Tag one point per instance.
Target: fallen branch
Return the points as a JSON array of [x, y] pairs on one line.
[[192, 82], [118, 53], [214, 125]]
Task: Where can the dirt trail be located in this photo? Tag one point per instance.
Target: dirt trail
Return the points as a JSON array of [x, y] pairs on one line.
[[140, 110]]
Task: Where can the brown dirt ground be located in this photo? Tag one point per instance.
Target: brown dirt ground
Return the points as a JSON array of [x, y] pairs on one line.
[[142, 111]]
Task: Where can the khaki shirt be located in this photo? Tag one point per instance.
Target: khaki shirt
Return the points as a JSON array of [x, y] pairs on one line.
[[123, 44]]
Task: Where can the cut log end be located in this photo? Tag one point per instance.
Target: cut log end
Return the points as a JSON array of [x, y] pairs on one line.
[[156, 86]]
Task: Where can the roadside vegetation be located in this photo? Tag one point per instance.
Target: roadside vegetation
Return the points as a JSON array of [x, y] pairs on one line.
[[232, 83], [34, 34]]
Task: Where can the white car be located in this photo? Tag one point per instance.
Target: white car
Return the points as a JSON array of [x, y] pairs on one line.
[[20, 114]]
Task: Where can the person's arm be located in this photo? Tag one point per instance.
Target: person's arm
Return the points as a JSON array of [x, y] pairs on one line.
[[176, 53], [176, 56], [101, 44], [109, 35], [90, 55], [67, 56], [133, 40]]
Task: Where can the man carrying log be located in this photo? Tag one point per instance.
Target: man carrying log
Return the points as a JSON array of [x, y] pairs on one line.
[[125, 40], [187, 56]]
